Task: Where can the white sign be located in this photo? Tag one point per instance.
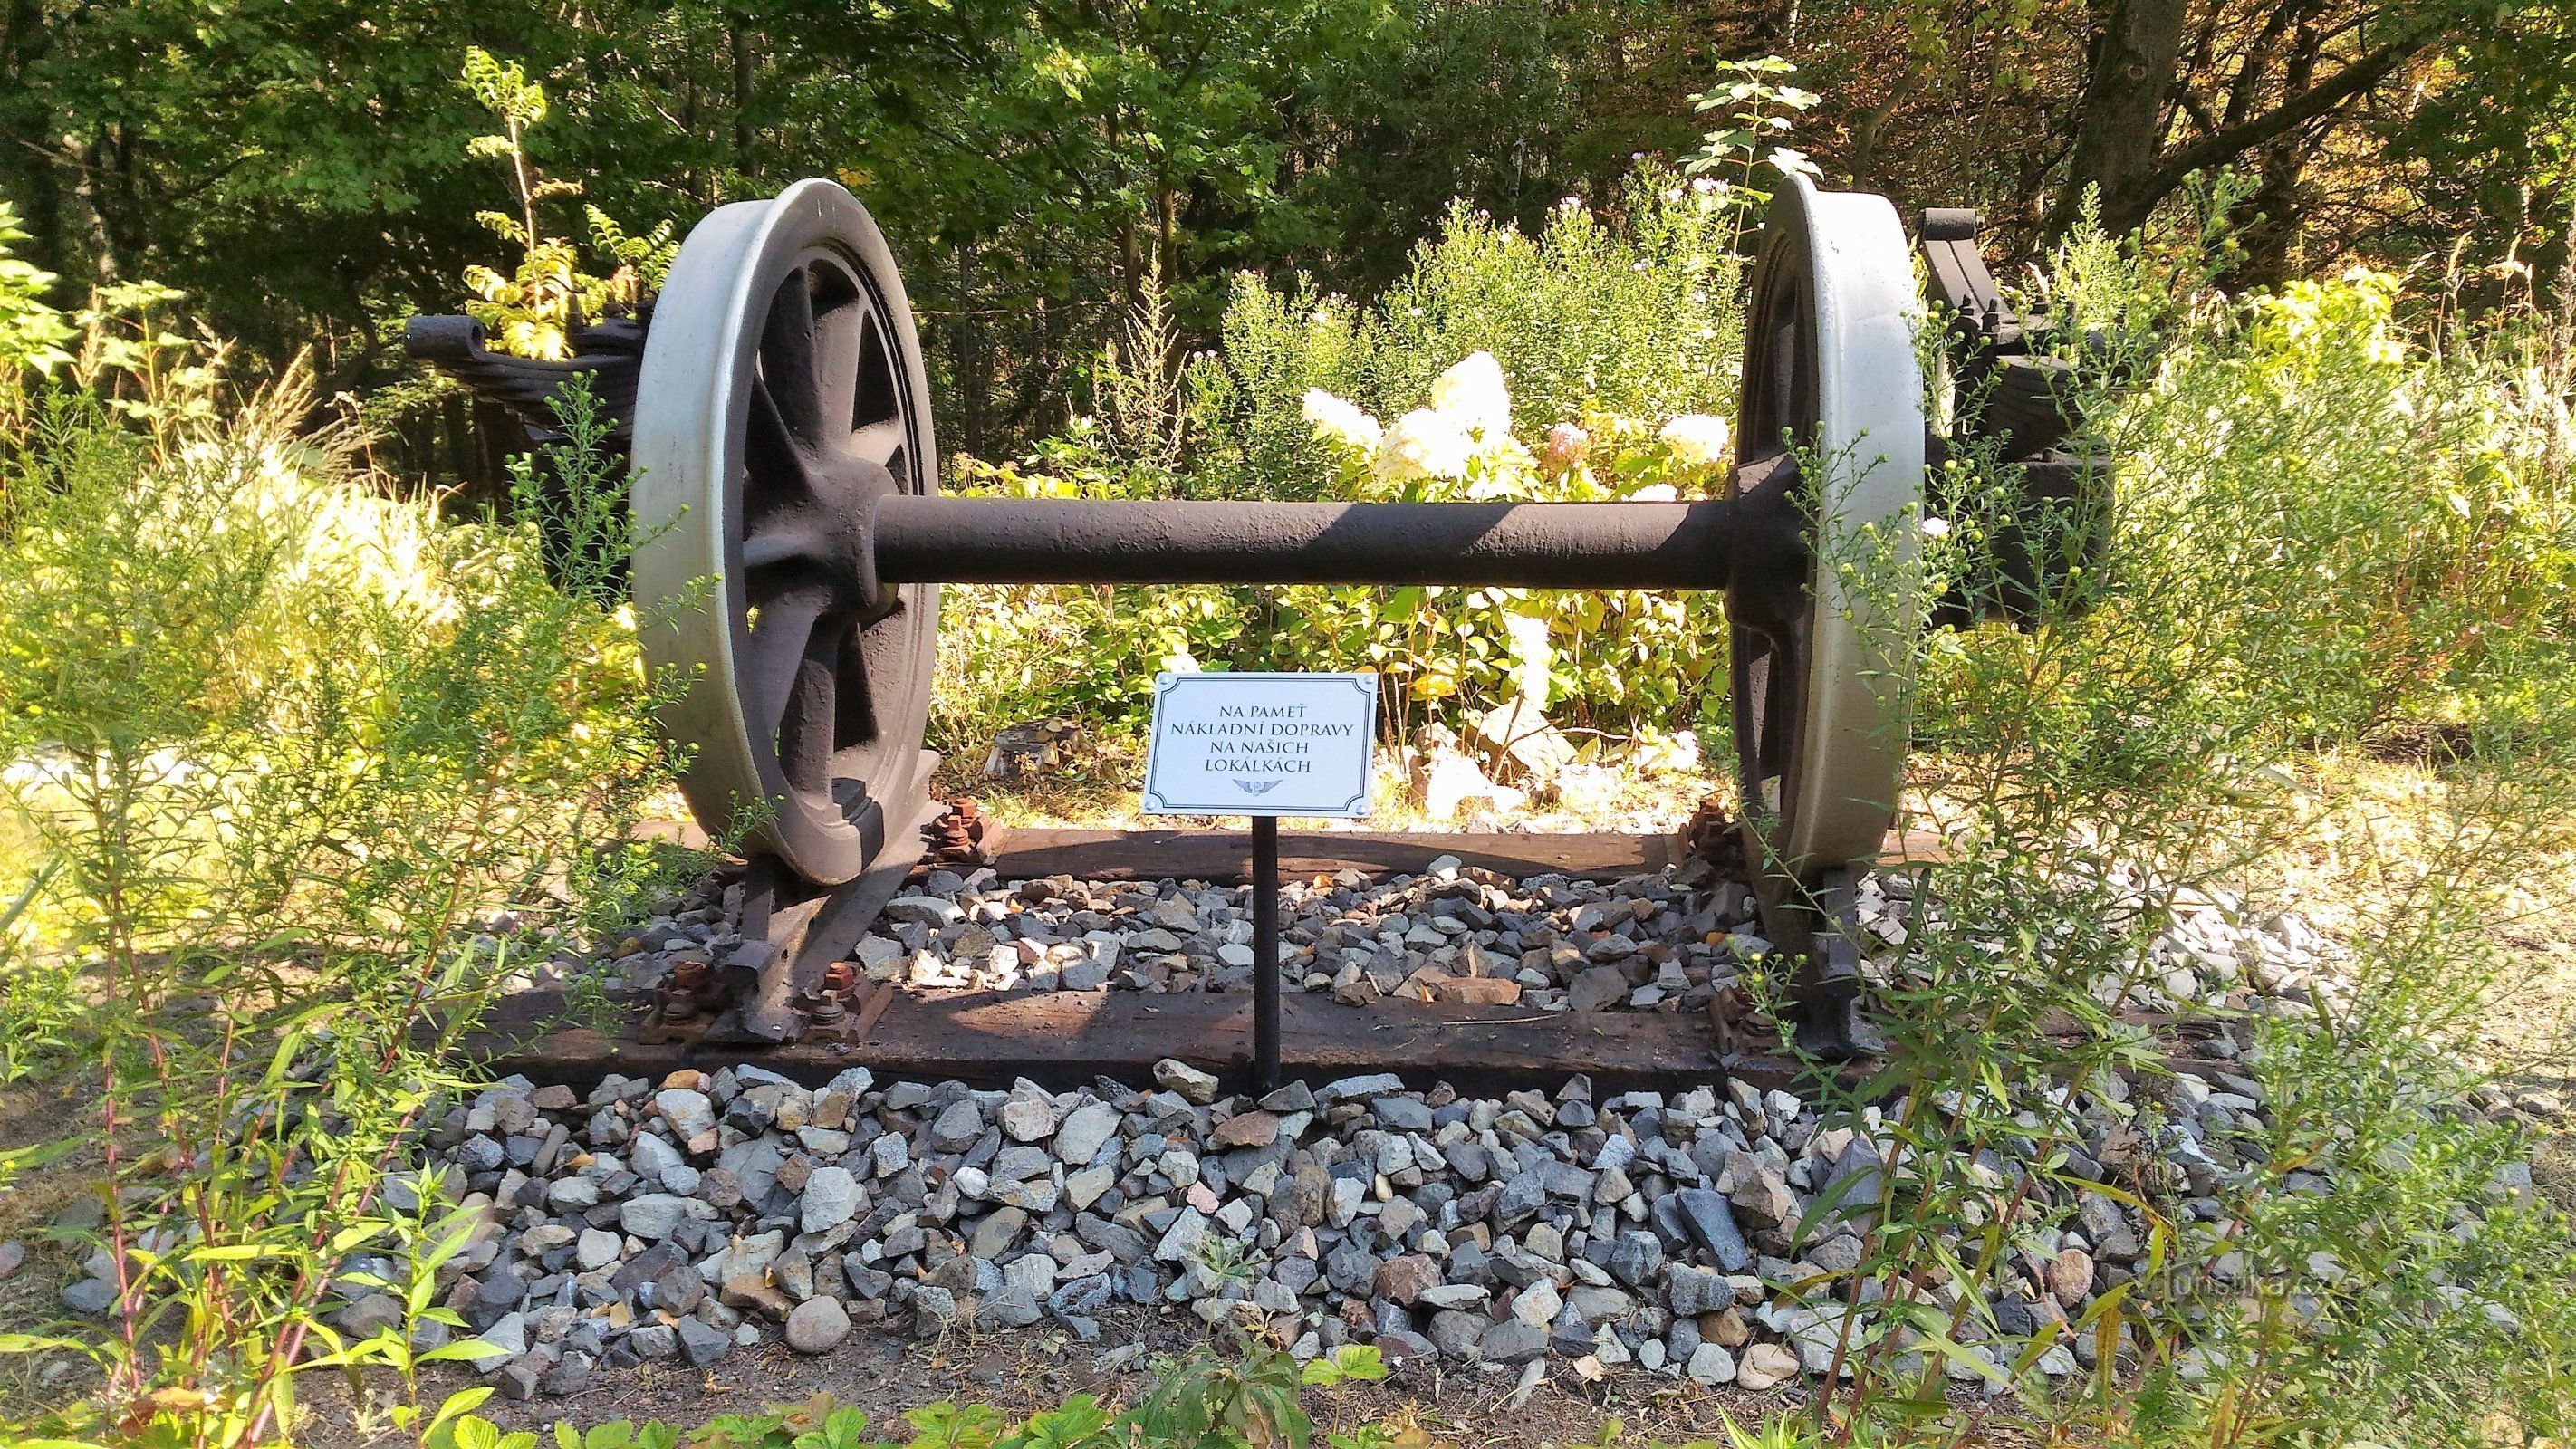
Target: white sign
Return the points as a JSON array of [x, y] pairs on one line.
[[1261, 744]]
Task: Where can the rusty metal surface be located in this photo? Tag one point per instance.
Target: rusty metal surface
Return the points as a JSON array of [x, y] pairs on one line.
[[1523, 545], [1065, 1038], [2018, 390], [959, 839]]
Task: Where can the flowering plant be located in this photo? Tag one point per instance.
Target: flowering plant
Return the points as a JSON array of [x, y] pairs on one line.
[[1521, 644], [1461, 446]]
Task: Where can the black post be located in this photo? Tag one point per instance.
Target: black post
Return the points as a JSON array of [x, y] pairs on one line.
[[1265, 953]]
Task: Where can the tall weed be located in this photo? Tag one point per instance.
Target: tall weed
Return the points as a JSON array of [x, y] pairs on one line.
[[2328, 540], [299, 777]]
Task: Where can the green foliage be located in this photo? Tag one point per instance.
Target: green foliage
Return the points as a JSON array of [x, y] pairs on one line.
[[1755, 95], [1633, 313], [532, 312], [2324, 534], [280, 748], [32, 333], [1198, 1402], [1607, 331]]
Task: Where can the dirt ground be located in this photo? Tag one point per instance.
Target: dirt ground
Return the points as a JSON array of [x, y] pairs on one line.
[[1025, 1370]]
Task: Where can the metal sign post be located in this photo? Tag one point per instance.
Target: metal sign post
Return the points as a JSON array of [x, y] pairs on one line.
[[1263, 745], [1265, 952]]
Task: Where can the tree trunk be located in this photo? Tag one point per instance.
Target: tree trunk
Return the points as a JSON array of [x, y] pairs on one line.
[[85, 203], [2121, 127]]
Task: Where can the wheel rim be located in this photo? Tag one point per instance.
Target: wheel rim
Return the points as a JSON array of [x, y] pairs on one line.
[[1820, 681], [782, 393]]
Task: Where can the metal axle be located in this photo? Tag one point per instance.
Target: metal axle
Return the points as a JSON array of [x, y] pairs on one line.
[[1517, 545]]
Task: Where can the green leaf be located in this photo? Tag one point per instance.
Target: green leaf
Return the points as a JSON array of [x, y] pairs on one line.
[[37, 1343]]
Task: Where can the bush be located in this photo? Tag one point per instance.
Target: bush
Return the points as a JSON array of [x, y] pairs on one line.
[[2326, 537], [296, 777], [1636, 315], [1609, 327]]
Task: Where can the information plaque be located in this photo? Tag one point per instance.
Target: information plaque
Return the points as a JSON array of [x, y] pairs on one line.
[[1263, 745]]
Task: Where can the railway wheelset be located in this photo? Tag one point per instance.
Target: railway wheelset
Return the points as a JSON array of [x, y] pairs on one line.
[[791, 541]]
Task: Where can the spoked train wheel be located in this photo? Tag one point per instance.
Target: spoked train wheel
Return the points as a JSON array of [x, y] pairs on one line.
[[1820, 674], [1830, 472], [782, 394]]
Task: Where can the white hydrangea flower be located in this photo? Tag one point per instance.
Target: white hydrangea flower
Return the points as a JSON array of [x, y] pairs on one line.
[[1472, 396], [1342, 420], [1695, 439], [1424, 443]]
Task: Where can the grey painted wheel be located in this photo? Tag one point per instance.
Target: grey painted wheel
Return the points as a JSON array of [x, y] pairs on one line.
[[1819, 683], [782, 393]]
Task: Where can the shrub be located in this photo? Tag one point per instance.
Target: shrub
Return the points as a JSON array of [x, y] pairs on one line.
[[1609, 328], [281, 751], [2325, 535], [1634, 315]]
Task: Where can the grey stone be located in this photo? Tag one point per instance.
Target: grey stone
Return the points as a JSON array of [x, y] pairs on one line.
[[1198, 1087], [568, 1375], [1711, 1365], [518, 1380], [701, 1344], [832, 1197], [817, 1325], [571, 1194], [1636, 1258], [1028, 1117], [1513, 1341], [1524, 1195], [370, 1315], [1689, 1290], [1013, 1307], [499, 1293], [1835, 1255], [1598, 987], [958, 1127], [1458, 1334], [1359, 1089], [654, 1215], [1456, 1295], [1084, 1130], [688, 1112], [1711, 1223], [649, 1156], [997, 1232], [1183, 1238]]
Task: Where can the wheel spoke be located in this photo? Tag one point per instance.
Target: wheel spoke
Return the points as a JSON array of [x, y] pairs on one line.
[[1752, 686], [805, 725], [779, 640], [787, 357], [838, 344], [779, 469], [785, 545]]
